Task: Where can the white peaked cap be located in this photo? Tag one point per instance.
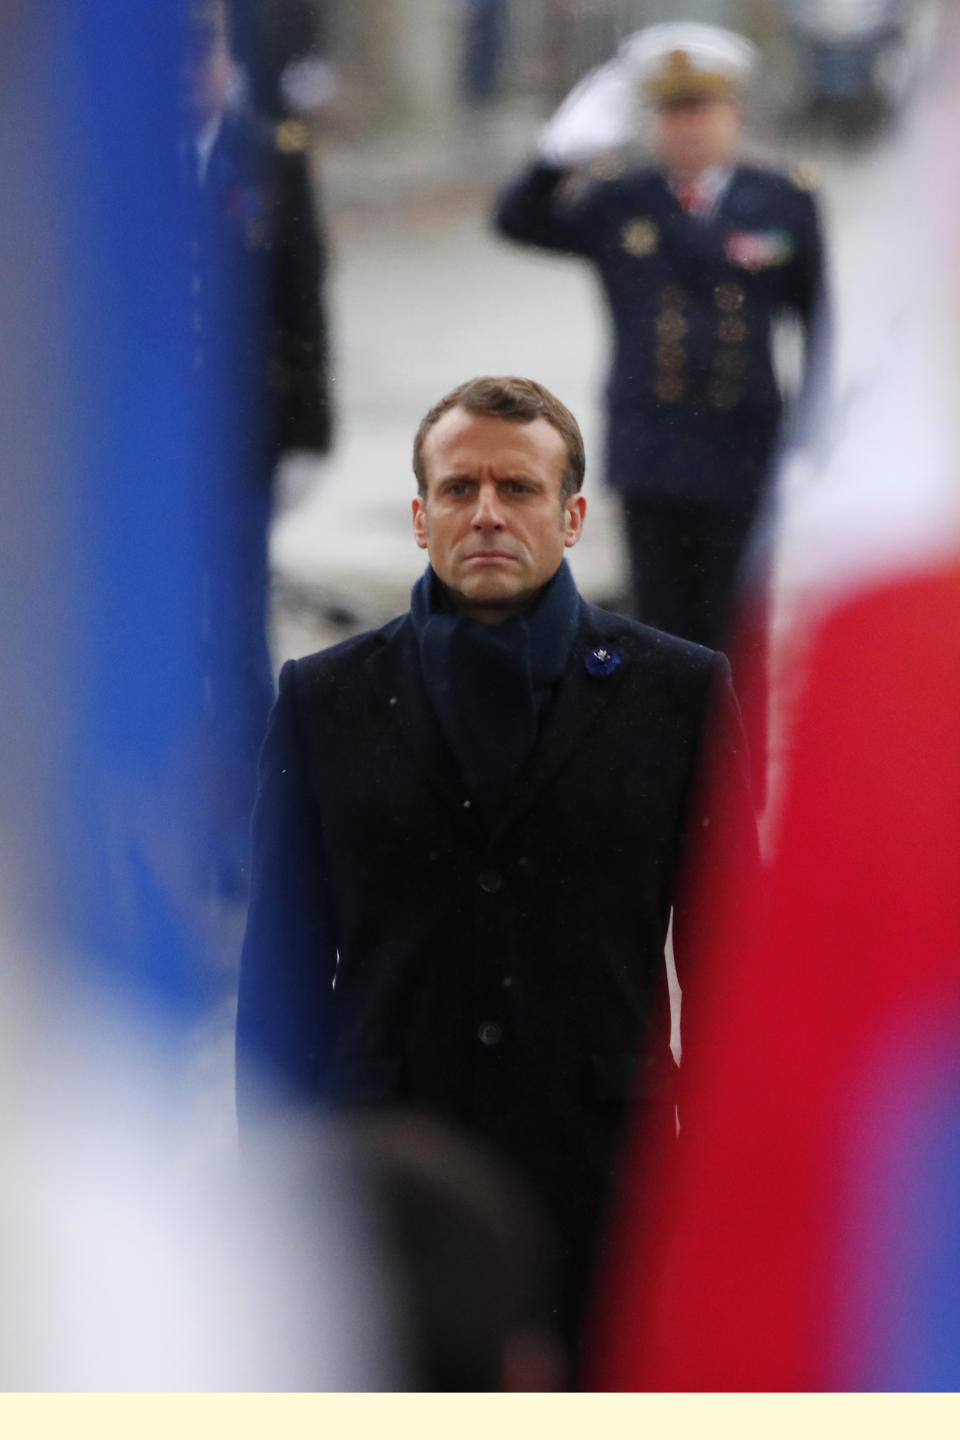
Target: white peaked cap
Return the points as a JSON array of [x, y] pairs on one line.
[[685, 61]]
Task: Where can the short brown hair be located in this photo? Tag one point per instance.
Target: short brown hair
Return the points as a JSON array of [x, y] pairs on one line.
[[508, 397]]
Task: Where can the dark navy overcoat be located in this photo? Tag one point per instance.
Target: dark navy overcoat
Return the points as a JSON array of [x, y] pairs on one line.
[[509, 979]]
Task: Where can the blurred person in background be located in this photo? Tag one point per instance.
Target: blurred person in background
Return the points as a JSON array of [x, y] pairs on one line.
[[852, 57], [484, 47], [467, 834], [698, 254], [261, 229], [280, 43], [259, 360]]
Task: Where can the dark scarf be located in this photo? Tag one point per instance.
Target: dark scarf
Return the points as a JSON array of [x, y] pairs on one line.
[[489, 683]]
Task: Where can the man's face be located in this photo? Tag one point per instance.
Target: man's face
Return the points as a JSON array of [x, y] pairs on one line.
[[694, 134], [492, 521]]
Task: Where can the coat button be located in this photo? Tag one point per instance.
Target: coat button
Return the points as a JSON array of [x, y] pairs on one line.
[[489, 1033], [490, 881]]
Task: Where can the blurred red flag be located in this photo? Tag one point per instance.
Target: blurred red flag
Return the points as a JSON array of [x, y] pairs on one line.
[[797, 1241]]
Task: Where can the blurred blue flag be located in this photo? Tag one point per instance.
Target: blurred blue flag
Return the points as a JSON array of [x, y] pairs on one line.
[[116, 503]]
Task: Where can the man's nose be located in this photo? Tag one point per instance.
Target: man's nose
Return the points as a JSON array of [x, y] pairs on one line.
[[487, 515]]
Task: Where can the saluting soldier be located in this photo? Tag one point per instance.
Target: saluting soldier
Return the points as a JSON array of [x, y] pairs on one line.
[[698, 254]]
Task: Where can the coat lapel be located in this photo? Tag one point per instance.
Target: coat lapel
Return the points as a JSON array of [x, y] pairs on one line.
[[581, 701], [695, 242], [738, 204], [394, 671]]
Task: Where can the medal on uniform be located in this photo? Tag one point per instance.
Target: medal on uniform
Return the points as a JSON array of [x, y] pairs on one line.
[[640, 237], [759, 249]]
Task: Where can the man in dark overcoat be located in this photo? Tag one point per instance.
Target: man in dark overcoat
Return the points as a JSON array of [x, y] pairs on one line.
[[698, 255], [468, 833]]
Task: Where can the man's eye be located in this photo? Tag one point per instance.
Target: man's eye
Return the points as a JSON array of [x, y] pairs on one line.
[[518, 487], [458, 487]]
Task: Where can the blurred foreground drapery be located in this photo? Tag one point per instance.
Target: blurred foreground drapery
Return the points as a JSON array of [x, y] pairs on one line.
[[123, 499], [810, 1240], [133, 1259]]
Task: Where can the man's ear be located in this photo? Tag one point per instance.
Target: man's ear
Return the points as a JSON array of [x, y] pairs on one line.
[[573, 512], [420, 522]]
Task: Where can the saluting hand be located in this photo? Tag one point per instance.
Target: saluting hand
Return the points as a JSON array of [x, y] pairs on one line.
[[598, 115]]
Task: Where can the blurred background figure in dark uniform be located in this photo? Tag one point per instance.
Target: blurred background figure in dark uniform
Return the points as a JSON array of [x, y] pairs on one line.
[[698, 255], [259, 345], [853, 61], [484, 47], [281, 45]]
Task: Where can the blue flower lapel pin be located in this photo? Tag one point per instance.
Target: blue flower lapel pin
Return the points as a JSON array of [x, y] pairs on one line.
[[602, 662]]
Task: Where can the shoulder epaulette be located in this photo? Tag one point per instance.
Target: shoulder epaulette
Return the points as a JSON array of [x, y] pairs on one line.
[[804, 176], [290, 137], [585, 177], [605, 167]]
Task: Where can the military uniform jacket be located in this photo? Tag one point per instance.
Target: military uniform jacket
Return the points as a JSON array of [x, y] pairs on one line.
[[693, 401], [510, 980], [257, 259]]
